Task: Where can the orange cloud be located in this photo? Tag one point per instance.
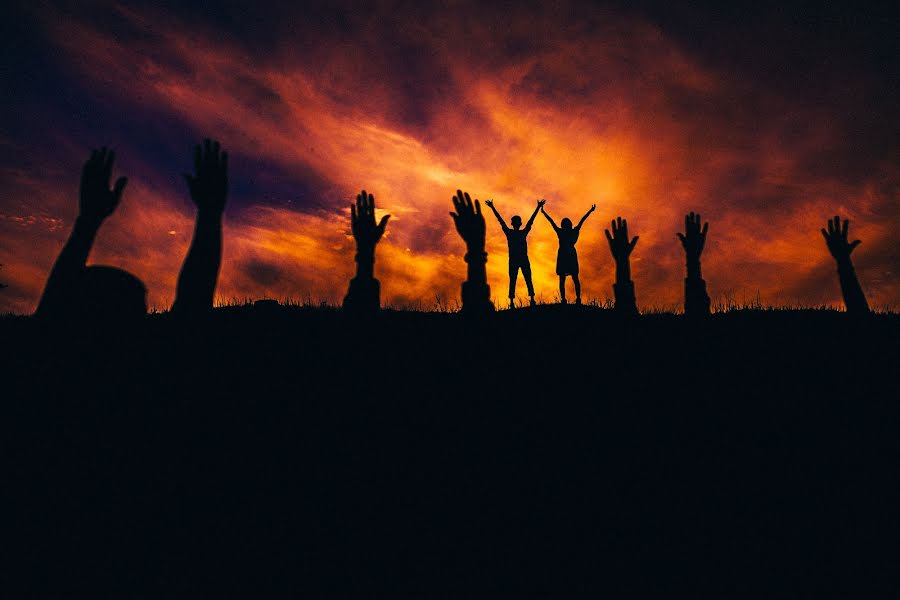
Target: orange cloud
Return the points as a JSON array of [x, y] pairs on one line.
[[621, 118]]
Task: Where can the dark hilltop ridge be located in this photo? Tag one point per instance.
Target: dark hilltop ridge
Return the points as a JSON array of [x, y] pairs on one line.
[[554, 450]]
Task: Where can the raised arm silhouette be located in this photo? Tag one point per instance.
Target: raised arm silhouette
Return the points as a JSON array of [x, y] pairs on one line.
[[621, 249], [75, 291], [518, 250], [840, 248], [208, 188], [567, 257], [364, 293], [476, 294], [696, 300]]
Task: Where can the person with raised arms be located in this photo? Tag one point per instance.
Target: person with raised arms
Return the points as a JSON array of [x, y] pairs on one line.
[[518, 249], [567, 257]]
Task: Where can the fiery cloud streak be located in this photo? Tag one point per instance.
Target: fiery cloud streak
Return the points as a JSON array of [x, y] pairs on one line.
[[614, 114]]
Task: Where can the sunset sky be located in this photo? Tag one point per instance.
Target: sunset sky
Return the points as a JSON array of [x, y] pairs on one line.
[[767, 122]]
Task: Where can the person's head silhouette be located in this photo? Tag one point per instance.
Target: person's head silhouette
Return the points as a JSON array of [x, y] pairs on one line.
[[79, 293], [108, 294], [566, 224], [516, 221]]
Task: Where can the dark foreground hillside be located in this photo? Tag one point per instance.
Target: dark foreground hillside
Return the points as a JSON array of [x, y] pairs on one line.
[[551, 452]]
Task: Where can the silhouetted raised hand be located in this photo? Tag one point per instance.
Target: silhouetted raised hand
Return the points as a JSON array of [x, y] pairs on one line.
[[836, 240], [621, 248], [696, 300], [364, 295], [469, 221], [362, 222], [470, 225], [96, 199], [74, 290], [208, 187], [693, 239], [618, 242]]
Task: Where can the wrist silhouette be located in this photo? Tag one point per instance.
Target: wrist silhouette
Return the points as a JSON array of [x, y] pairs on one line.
[[621, 247], [693, 240], [836, 240], [469, 222], [364, 294]]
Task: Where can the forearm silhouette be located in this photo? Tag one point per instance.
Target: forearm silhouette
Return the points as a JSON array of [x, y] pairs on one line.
[[208, 188], [621, 249], [552, 224], [840, 248], [96, 202], [696, 300], [490, 204], [537, 209], [364, 295], [586, 215], [476, 294]]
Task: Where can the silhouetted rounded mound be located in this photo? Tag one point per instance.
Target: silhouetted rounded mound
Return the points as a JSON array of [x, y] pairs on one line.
[[108, 293]]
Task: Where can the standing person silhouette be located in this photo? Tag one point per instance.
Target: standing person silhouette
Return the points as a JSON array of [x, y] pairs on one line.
[[518, 250], [567, 257]]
